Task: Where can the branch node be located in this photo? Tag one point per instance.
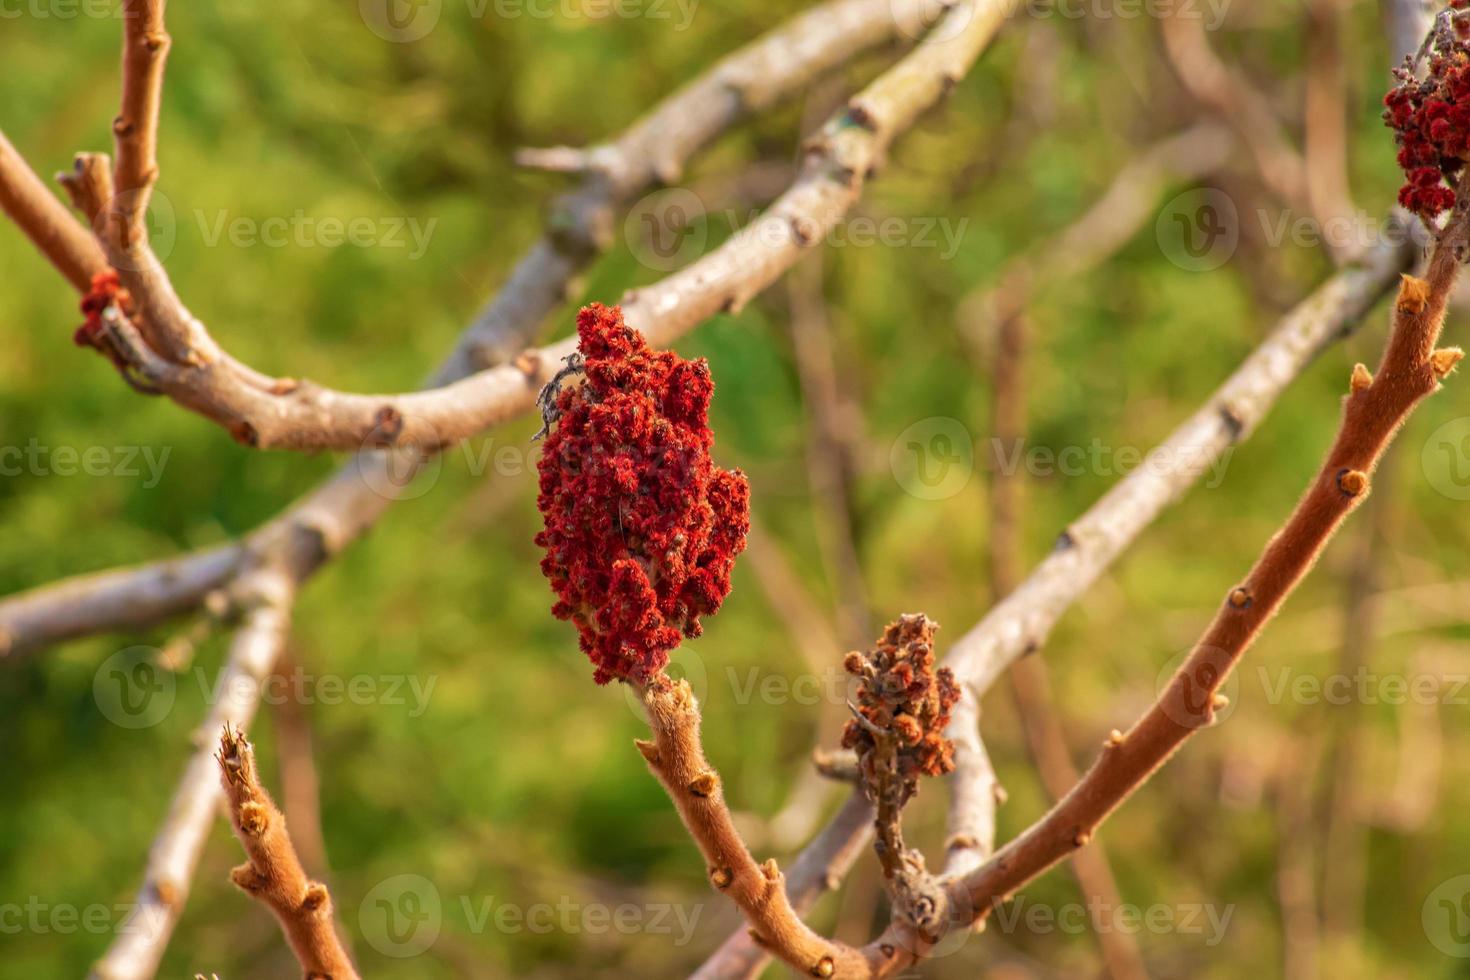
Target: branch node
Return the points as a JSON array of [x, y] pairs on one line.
[[721, 878], [1241, 598], [824, 967], [316, 897], [254, 818], [705, 784], [1352, 482], [1114, 740]]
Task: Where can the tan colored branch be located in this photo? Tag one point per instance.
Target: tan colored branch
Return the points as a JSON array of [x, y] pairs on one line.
[[45, 220], [179, 358], [1411, 369], [818, 869], [676, 757], [122, 599], [974, 793], [135, 130], [300, 783], [273, 874], [285, 413], [266, 594], [832, 420]]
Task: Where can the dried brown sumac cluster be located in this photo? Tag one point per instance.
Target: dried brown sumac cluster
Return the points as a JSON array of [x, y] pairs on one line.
[[901, 693], [641, 527]]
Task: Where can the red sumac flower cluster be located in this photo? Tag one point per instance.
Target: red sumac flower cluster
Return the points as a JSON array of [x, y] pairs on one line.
[[1430, 117], [642, 529]]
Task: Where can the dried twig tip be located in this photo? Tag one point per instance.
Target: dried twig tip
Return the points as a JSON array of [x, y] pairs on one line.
[[1413, 294], [649, 750]]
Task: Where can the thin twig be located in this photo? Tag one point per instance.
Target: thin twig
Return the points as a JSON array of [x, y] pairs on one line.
[[45, 220], [135, 130], [1029, 682], [817, 870], [831, 417], [266, 594], [273, 874]]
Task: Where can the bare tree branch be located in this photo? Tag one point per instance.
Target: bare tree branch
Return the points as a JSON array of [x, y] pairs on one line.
[[273, 874], [1411, 369], [266, 595], [817, 870], [121, 599], [45, 220], [974, 793]]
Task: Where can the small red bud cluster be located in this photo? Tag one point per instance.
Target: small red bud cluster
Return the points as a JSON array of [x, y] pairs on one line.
[[900, 692], [642, 529], [1430, 117], [106, 291]]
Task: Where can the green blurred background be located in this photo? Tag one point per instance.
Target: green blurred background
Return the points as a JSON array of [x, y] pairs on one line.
[[515, 784]]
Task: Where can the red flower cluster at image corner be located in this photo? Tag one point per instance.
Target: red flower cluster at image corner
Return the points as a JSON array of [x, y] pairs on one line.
[[1430, 117], [642, 529]]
